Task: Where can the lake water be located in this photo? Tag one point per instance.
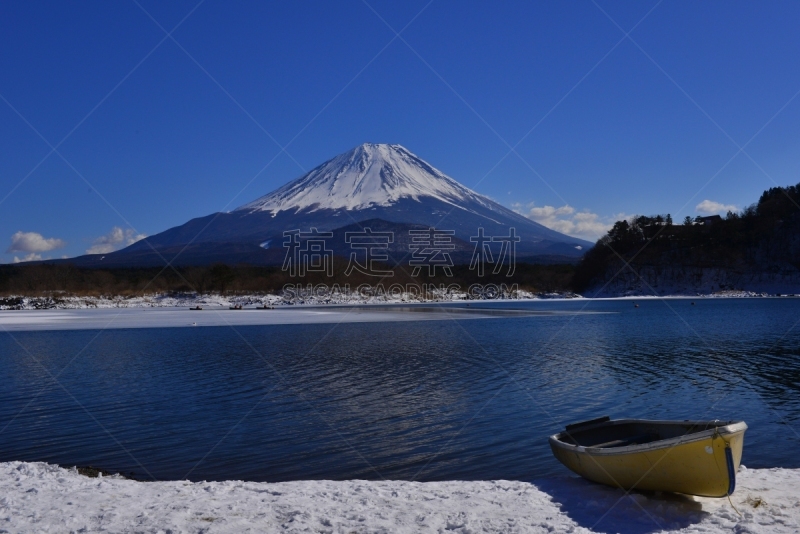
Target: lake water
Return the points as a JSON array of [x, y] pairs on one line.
[[458, 398]]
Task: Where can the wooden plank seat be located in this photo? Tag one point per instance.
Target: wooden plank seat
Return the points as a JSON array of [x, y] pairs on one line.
[[633, 440]]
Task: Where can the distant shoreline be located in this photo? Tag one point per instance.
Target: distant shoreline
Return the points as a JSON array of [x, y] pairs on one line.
[[251, 301]]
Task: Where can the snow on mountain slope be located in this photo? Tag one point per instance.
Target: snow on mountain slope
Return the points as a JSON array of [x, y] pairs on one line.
[[369, 175]]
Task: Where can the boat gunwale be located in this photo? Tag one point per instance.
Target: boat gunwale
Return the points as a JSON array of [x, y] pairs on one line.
[[731, 428]]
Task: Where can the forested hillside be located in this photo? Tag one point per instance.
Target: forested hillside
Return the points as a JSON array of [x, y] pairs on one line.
[[757, 249]]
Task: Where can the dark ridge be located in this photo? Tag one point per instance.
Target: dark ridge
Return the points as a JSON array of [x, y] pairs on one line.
[[762, 242], [50, 283]]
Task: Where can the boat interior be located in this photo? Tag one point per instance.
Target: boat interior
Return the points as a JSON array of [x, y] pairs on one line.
[[604, 433]]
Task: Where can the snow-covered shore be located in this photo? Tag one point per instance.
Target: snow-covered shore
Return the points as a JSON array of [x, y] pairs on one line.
[[216, 300], [665, 280], [224, 301], [37, 497]]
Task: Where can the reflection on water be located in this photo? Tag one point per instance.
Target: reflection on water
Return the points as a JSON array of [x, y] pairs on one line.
[[461, 399]]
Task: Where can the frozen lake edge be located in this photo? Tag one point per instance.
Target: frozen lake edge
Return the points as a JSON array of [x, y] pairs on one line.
[[164, 317]]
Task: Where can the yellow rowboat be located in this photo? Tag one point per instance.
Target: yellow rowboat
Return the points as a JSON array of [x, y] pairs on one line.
[[692, 457]]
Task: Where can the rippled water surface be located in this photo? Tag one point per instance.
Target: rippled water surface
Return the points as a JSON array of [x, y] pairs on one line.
[[428, 400]]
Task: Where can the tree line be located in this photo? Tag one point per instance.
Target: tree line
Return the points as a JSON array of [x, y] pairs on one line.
[[69, 280], [764, 235]]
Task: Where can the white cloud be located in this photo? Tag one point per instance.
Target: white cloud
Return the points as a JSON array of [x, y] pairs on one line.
[[116, 239], [567, 220], [33, 242], [30, 257], [547, 213], [709, 207]]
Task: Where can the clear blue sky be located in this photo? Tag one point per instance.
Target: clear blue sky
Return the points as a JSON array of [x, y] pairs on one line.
[[618, 126]]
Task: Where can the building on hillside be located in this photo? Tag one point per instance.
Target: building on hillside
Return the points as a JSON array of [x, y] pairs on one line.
[[708, 221]]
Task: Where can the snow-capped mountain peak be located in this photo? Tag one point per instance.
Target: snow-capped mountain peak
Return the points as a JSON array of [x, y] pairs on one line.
[[367, 176]]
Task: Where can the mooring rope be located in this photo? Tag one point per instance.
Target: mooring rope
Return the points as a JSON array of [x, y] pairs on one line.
[[731, 469]]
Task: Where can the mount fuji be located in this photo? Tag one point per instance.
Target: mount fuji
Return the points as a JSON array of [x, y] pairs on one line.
[[367, 176], [384, 186]]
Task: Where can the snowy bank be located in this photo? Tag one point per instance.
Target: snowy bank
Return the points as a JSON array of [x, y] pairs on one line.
[[663, 280], [37, 497], [312, 298]]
